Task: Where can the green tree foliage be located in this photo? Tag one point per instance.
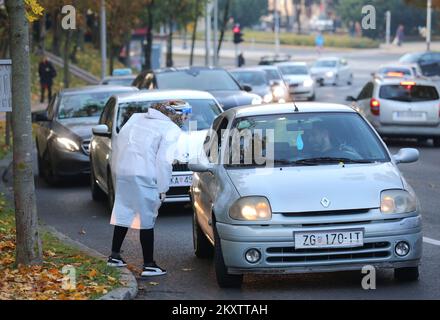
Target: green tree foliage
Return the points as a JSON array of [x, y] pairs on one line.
[[248, 12]]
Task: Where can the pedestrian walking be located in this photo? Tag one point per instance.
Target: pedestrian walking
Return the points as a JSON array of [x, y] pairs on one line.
[[241, 60], [47, 73], [400, 34], [319, 42], [142, 166]]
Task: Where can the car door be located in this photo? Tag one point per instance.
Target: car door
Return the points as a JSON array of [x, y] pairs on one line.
[[45, 127], [206, 181]]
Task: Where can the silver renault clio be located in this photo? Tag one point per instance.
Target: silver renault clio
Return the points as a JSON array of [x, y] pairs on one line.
[[302, 188]]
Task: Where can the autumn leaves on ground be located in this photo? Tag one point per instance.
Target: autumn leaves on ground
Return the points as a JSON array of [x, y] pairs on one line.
[[66, 274]]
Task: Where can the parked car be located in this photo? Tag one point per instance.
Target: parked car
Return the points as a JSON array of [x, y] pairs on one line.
[[401, 108], [332, 71], [271, 60], [429, 62], [298, 77], [118, 80], [259, 80], [216, 81], [337, 200], [64, 130], [118, 111]]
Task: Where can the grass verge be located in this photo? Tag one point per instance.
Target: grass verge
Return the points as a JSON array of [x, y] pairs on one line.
[[48, 282], [4, 149]]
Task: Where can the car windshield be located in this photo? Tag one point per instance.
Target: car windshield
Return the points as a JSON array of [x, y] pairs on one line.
[[253, 78], [204, 111], [406, 93], [204, 80], [325, 64], [272, 74], [82, 105], [294, 70], [307, 139]]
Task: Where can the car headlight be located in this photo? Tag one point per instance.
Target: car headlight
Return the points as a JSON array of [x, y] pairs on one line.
[[397, 201], [308, 83], [67, 144], [278, 91], [257, 100], [330, 74], [251, 209], [268, 98]]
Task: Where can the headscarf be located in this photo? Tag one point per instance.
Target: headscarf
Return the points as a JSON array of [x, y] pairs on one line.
[[168, 108]]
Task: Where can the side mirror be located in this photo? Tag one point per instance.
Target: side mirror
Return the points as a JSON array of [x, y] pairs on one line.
[[350, 98], [247, 88], [406, 155], [201, 167], [40, 116], [101, 131]]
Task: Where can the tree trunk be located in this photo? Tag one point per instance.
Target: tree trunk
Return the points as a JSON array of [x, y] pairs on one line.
[[56, 43], [67, 37], [224, 25], [170, 62], [28, 250], [149, 37], [194, 34]]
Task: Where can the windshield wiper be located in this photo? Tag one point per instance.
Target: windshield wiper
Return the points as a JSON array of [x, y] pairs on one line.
[[320, 160]]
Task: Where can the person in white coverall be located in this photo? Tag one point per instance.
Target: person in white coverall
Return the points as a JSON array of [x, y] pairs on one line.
[[142, 159]]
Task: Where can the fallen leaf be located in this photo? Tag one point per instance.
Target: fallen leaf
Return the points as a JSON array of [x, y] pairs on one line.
[[152, 283], [93, 273]]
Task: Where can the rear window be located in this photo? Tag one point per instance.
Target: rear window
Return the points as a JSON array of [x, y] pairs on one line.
[[408, 93]]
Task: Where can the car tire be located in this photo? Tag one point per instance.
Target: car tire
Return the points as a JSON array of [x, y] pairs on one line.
[[203, 249], [406, 274], [437, 142], [224, 279], [111, 192], [49, 176], [97, 193]]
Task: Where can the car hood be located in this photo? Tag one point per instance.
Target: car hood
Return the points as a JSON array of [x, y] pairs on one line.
[[301, 189], [321, 70], [296, 78], [231, 99], [81, 128], [261, 90]]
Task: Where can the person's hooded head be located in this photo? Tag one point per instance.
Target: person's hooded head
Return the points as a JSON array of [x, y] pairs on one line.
[[176, 110]]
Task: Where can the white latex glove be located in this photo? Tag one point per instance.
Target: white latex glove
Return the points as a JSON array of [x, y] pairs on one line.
[[163, 196]]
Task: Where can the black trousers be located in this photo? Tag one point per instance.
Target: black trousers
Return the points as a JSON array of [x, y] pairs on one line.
[[43, 91], [146, 238]]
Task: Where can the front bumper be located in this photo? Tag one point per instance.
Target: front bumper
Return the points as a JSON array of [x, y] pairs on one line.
[[67, 163], [277, 247], [301, 92]]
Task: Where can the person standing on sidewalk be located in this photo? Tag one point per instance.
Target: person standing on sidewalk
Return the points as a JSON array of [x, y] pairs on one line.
[[319, 42], [400, 34], [47, 73], [142, 166]]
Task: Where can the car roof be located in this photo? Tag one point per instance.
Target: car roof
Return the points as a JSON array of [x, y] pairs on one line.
[[328, 59], [303, 107], [179, 69], [164, 95], [238, 70], [96, 89], [291, 63], [131, 76]]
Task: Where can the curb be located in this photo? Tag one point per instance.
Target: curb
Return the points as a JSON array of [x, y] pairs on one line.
[[129, 289]]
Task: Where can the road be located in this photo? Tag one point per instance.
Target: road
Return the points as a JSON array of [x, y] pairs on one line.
[[71, 210]]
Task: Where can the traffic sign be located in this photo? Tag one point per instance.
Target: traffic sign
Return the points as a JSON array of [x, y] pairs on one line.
[[5, 86]]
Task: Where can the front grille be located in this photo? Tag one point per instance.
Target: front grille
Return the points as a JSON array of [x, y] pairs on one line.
[[325, 213], [180, 167], [86, 146], [375, 250]]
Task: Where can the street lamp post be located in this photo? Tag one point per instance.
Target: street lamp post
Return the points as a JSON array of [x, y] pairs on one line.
[[277, 27], [388, 27], [103, 41], [428, 25]]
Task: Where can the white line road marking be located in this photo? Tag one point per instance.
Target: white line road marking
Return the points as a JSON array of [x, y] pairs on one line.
[[431, 241]]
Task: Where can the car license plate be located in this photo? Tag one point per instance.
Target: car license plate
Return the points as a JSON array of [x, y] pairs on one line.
[[181, 181], [409, 116], [329, 239]]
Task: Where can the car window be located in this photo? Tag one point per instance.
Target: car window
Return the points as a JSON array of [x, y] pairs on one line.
[[205, 80], [298, 137], [82, 105], [367, 92], [111, 114], [104, 114], [406, 93], [251, 78], [204, 111], [52, 106]]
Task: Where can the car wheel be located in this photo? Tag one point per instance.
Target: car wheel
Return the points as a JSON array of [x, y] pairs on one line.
[[224, 279], [97, 193], [350, 80], [407, 274], [48, 173], [437, 142], [111, 192], [202, 247]]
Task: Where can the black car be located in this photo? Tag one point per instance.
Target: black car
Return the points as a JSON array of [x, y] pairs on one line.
[[429, 62], [64, 130], [216, 81]]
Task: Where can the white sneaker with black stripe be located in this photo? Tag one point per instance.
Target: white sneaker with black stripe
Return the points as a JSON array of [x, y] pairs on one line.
[[116, 262], [152, 270]]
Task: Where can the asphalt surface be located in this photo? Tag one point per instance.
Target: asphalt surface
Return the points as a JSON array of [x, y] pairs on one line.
[[70, 209]]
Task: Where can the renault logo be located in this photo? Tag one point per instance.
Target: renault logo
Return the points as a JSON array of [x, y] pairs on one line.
[[325, 202]]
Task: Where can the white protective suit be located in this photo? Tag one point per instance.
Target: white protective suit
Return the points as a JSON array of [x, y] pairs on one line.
[[142, 158]]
